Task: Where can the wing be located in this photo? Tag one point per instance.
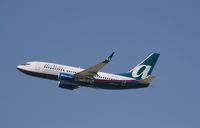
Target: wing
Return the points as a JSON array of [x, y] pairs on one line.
[[92, 71]]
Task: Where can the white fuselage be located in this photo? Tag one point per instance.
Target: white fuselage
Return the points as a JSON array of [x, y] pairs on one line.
[[53, 69]]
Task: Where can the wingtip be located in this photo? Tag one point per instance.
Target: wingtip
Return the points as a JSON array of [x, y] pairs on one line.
[[111, 55]]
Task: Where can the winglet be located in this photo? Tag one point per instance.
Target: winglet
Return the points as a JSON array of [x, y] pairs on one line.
[[109, 58]]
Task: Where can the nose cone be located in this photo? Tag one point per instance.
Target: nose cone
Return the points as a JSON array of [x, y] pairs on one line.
[[19, 67]]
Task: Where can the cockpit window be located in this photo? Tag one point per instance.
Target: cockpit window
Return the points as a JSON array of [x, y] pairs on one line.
[[26, 63]]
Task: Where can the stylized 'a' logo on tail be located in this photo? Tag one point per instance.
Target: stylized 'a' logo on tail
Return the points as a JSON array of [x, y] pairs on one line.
[[144, 69], [141, 71]]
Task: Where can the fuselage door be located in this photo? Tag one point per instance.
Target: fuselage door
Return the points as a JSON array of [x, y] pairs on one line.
[[123, 82]]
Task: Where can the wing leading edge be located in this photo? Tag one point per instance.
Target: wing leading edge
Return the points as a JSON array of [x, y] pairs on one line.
[[90, 72]]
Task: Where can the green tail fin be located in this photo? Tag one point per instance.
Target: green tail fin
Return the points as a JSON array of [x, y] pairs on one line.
[[144, 69]]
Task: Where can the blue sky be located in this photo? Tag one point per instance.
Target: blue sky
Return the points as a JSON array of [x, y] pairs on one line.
[[81, 33]]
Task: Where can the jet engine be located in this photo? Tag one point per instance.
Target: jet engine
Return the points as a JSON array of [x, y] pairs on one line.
[[67, 85], [65, 80], [66, 77]]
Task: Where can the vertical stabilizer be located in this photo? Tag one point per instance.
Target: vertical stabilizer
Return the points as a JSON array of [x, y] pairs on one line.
[[144, 69]]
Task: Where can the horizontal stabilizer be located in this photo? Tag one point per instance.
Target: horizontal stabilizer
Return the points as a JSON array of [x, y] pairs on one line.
[[146, 80]]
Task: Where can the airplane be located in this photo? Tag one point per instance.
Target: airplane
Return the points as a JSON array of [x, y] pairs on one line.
[[72, 77]]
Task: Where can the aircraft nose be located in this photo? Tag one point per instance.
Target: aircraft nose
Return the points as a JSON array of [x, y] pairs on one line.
[[19, 67]]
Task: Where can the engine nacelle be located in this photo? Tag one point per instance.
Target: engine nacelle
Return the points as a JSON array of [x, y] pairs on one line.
[[67, 85], [66, 77]]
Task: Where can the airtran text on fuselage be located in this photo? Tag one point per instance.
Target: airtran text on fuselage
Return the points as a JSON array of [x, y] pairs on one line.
[[53, 66]]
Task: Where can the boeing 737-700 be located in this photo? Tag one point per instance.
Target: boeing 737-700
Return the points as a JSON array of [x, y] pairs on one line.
[[73, 78]]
